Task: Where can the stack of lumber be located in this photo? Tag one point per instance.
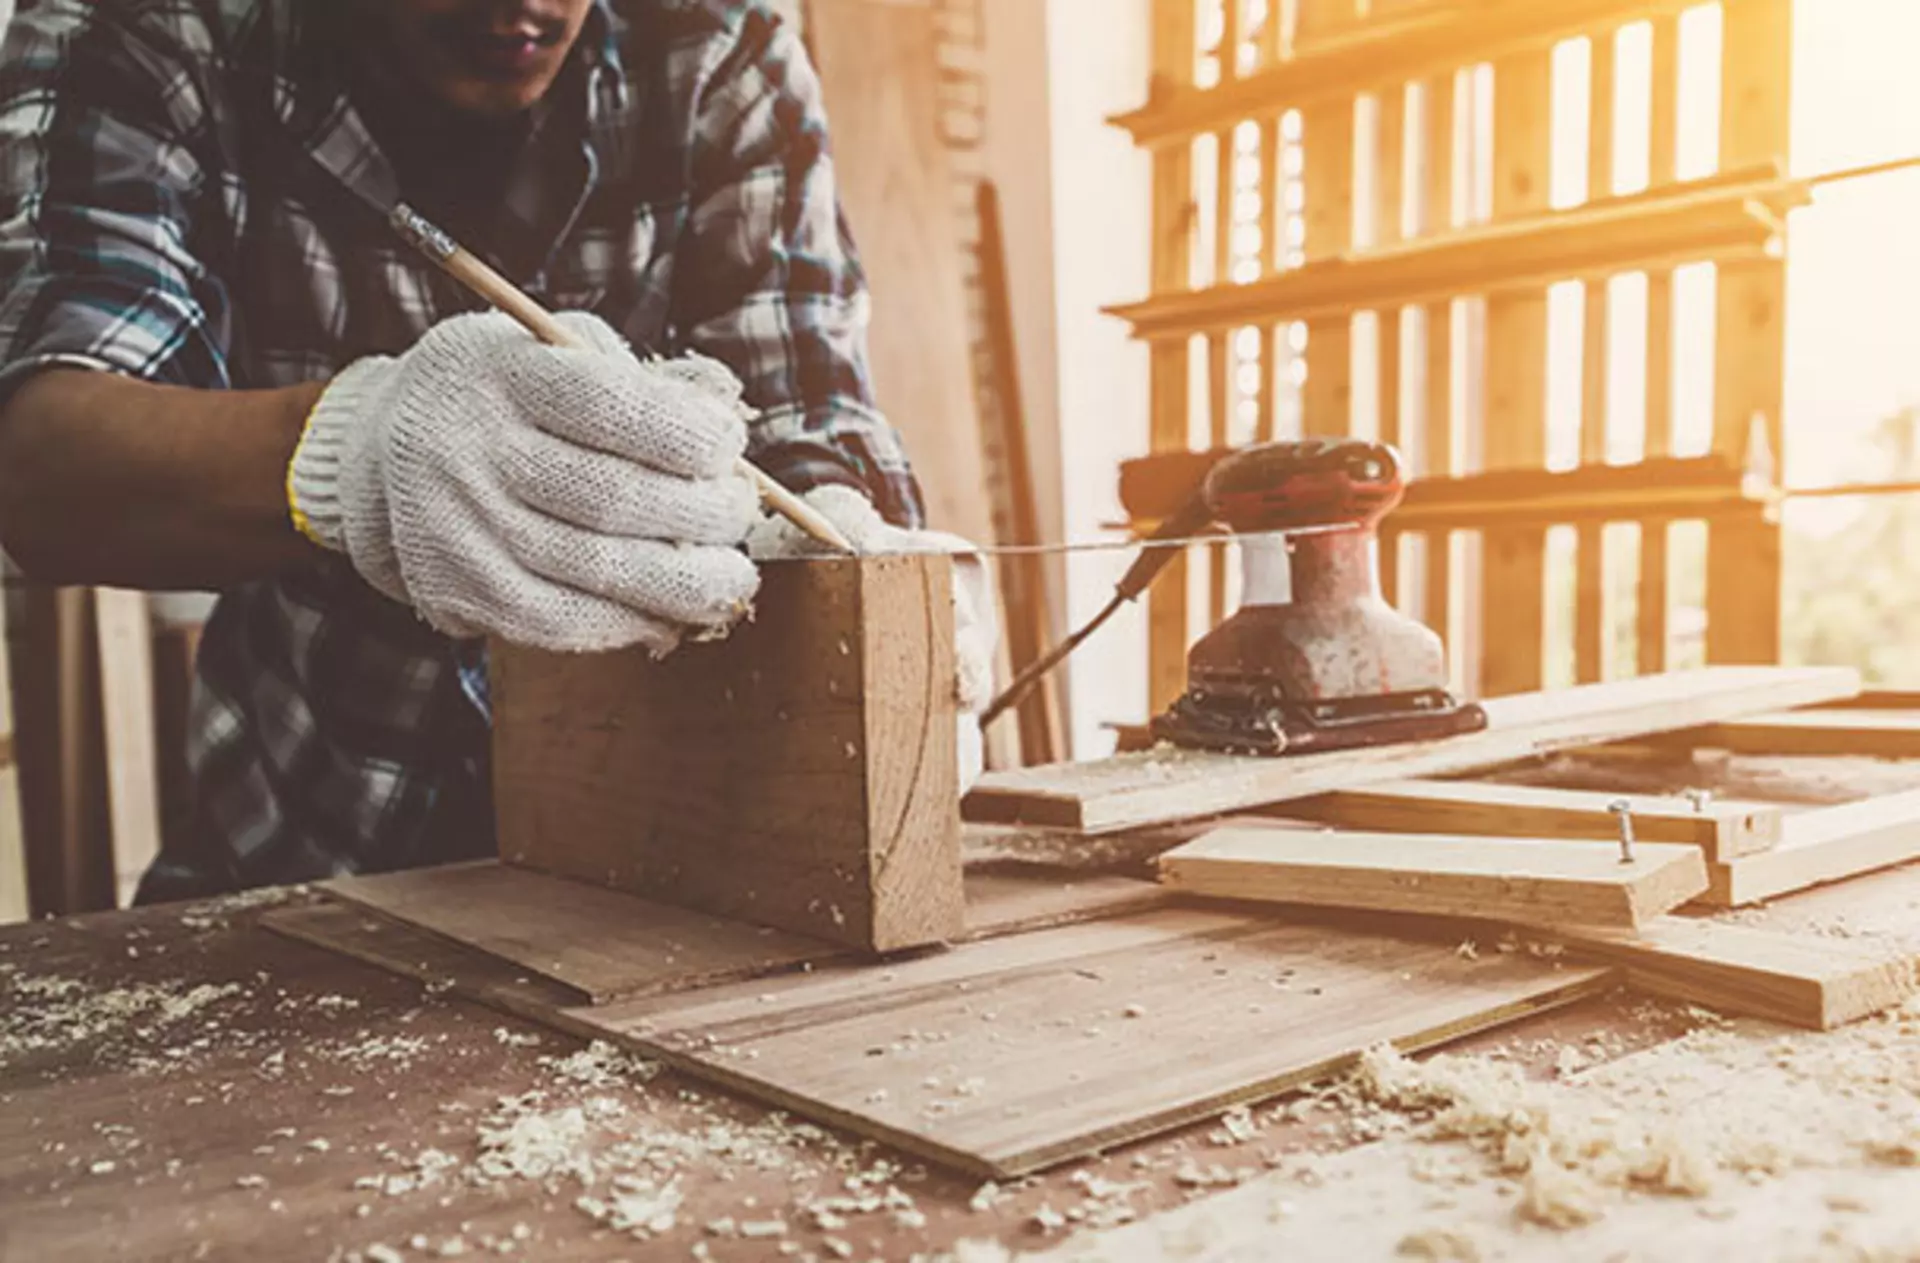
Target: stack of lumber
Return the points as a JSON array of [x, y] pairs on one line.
[[1308, 909]]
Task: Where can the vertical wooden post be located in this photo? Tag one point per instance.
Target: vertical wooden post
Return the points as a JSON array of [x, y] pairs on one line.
[[1388, 204], [14, 902], [1327, 404], [1436, 216], [1662, 147], [1590, 623], [1512, 596], [1743, 556], [1173, 221]]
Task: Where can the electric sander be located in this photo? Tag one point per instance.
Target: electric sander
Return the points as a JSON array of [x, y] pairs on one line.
[[1314, 659]]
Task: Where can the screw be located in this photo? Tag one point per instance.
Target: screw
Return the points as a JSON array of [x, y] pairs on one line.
[[1700, 798], [1623, 812]]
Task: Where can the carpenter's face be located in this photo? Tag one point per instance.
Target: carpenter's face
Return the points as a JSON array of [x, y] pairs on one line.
[[489, 57]]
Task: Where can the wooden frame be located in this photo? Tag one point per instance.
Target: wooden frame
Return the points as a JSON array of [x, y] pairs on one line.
[[801, 774], [1420, 188]]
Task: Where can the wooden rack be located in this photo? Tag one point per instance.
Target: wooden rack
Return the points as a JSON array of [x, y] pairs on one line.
[[1355, 231]]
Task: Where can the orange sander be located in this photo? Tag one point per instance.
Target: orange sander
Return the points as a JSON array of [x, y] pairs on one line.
[[1314, 659]]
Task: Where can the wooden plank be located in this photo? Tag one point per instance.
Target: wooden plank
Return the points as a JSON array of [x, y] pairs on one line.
[[800, 774], [16, 903], [879, 77], [1590, 621], [1722, 829], [603, 945], [123, 629], [1823, 845], [1810, 982], [1523, 880], [1876, 734], [1004, 1057], [1164, 784]]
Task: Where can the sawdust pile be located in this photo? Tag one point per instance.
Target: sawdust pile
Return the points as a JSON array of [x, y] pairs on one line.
[[1731, 1102], [50, 1013]]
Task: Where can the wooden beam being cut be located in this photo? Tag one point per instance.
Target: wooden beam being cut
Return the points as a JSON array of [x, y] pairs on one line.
[[1162, 785], [1722, 829], [1815, 983], [1528, 881], [800, 774], [1822, 845]]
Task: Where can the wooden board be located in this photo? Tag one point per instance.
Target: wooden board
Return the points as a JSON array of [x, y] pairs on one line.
[[1011, 1055], [1881, 734], [801, 774], [1164, 784], [123, 628], [603, 945], [1823, 845], [1804, 981], [1722, 829], [1529, 881]]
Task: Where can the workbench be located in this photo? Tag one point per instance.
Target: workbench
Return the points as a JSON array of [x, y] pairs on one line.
[[208, 1089]]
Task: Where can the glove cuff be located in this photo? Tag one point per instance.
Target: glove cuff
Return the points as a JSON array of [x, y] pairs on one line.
[[313, 475]]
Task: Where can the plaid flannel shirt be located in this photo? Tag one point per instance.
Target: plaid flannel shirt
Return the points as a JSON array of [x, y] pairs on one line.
[[188, 195]]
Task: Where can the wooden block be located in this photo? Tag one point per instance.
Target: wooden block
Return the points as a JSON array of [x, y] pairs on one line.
[[800, 774], [1529, 881], [1163, 784], [1823, 845], [1879, 734], [1810, 982], [1722, 829], [1067, 1042]]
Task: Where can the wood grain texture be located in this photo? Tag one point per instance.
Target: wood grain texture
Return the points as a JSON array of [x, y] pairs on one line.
[[1004, 1057], [1823, 845], [1885, 734], [1527, 881], [1721, 829], [1803, 981], [1164, 784], [800, 774], [604, 945]]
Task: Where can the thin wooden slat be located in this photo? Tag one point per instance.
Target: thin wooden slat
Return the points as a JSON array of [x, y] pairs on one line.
[[1590, 622], [1437, 162], [1513, 581], [1072, 1041], [1386, 50], [1723, 829], [1160, 786], [1174, 214], [1733, 219], [1884, 734], [1220, 391], [1519, 880], [1814, 983], [1327, 400], [1651, 632], [123, 629], [1823, 845], [1389, 184], [1230, 40], [1743, 557]]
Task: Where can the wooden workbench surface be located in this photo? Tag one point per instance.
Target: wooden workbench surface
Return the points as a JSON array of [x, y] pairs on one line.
[[181, 1083], [240, 1124]]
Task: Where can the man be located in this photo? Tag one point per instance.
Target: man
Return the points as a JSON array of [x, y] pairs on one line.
[[220, 369]]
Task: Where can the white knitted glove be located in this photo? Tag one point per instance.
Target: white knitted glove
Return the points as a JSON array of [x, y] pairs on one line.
[[566, 499], [976, 621]]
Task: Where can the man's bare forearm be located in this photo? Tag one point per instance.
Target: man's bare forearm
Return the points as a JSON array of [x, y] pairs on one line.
[[108, 480]]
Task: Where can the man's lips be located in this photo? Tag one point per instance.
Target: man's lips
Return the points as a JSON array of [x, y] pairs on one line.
[[505, 55]]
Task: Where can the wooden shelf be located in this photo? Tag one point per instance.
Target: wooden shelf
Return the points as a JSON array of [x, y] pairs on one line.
[[1673, 488], [1383, 52], [1732, 217]]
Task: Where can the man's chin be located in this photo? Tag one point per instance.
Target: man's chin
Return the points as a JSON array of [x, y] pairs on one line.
[[492, 98]]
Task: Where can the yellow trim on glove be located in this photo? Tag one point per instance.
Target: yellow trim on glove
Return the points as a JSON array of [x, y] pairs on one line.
[[301, 522]]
